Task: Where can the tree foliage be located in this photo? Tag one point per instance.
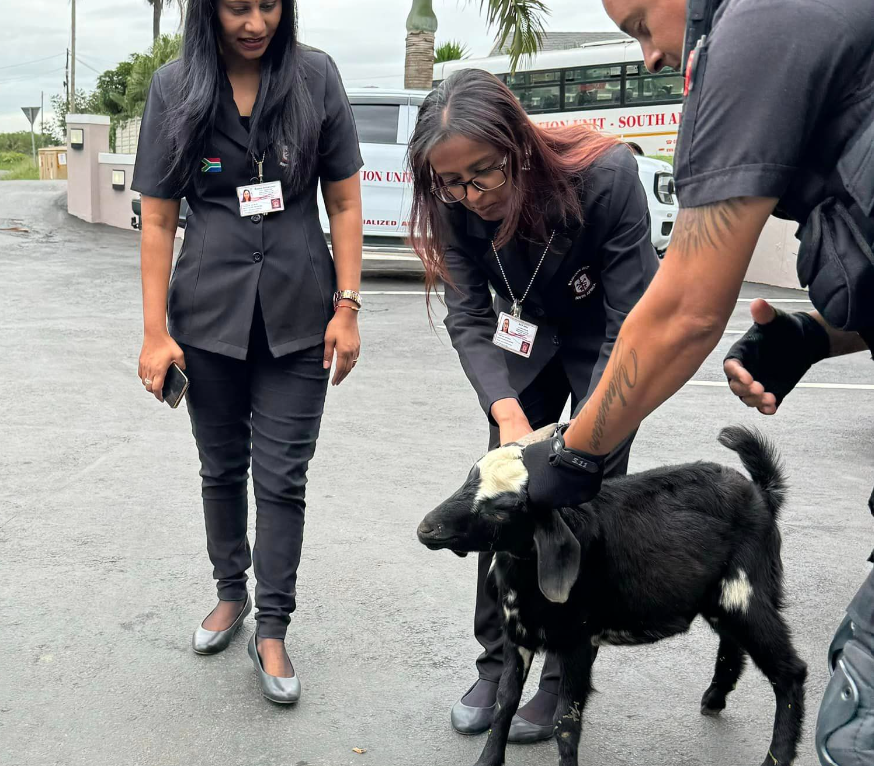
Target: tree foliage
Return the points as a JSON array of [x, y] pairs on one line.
[[451, 50]]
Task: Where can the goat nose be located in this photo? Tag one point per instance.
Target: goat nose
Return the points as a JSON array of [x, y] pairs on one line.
[[425, 528]]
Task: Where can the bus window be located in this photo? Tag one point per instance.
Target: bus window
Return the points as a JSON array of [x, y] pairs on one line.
[[643, 87], [377, 123], [534, 91], [592, 87], [543, 99]]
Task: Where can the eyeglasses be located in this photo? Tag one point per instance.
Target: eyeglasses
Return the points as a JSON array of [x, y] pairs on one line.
[[489, 180]]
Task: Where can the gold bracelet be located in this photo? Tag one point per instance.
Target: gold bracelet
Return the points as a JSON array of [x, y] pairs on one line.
[[346, 306]]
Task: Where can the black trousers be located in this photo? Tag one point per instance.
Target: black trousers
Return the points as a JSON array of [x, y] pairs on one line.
[[543, 403], [265, 411]]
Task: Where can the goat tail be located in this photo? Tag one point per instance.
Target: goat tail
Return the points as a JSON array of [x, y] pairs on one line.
[[761, 460]]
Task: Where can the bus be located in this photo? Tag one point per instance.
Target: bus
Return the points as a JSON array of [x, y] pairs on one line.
[[385, 120], [602, 84]]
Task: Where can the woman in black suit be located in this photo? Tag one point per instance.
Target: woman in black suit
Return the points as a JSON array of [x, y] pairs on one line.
[[257, 309], [556, 223]]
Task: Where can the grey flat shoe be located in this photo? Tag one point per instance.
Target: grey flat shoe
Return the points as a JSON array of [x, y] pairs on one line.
[[214, 641], [471, 720], [524, 732], [284, 691]]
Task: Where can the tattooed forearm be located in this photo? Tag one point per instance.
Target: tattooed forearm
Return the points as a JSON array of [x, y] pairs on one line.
[[705, 227], [623, 376]]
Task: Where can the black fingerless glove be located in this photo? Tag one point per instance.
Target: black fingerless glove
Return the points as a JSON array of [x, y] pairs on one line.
[[559, 476], [779, 353]]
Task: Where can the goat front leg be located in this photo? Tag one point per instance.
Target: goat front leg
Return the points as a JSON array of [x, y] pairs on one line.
[[517, 663], [576, 684]]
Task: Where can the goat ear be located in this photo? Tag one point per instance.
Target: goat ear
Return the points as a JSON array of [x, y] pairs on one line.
[[558, 557]]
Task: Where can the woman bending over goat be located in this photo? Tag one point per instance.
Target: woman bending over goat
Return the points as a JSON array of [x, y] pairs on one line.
[[556, 223]]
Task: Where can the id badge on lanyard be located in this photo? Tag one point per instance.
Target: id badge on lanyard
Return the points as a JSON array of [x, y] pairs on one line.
[[515, 334], [260, 198]]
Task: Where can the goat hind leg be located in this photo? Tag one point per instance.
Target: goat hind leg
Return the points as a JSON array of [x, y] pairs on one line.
[[517, 663], [576, 684], [765, 636], [730, 662]]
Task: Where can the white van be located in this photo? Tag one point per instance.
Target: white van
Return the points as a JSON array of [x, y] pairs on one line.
[[385, 121]]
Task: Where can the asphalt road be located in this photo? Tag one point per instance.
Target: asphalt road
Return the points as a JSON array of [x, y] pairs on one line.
[[104, 574]]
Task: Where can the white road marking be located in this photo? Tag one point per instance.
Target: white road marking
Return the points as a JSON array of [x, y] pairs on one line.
[[775, 300], [834, 386], [389, 257], [701, 383], [422, 292]]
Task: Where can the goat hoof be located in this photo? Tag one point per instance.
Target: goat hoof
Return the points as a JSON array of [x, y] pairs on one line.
[[713, 702]]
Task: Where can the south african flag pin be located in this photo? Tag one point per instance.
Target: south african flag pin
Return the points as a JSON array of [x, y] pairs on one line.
[[211, 165]]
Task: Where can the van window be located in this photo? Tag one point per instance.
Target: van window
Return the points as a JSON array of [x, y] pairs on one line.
[[377, 123]]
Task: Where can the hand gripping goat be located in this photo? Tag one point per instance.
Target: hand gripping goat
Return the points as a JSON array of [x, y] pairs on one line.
[[635, 565]]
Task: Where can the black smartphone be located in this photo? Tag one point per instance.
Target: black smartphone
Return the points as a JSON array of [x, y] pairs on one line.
[[175, 386]]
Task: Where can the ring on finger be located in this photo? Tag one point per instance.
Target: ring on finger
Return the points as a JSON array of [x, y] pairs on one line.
[[147, 381]]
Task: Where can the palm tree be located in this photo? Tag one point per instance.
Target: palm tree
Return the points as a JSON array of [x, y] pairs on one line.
[[518, 26], [157, 9], [451, 50], [143, 65]]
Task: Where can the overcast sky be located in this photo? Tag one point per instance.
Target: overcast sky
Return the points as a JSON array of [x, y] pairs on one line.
[[366, 37]]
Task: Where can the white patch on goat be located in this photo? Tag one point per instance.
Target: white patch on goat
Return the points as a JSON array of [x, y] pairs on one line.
[[502, 470], [510, 614], [510, 598], [737, 592], [525, 655]]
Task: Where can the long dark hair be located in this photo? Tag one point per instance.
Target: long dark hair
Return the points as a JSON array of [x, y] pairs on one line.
[[545, 167], [284, 110]]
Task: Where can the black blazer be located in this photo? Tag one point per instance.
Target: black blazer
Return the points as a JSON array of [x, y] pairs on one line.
[[226, 261], [591, 278]]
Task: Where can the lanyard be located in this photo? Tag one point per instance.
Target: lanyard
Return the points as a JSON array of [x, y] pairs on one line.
[[517, 304], [259, 164]]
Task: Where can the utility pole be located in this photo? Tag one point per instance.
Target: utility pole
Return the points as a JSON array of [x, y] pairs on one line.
[[67, 80], [42, 114], [72, 106]]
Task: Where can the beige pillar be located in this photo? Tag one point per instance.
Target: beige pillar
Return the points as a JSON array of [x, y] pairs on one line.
[[83, 170], [775, 256]]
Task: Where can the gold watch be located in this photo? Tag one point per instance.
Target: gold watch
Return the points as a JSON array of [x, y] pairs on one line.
[[347, 295]]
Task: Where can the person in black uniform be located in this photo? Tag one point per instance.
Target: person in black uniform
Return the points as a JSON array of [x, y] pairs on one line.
[[556, 223], [778, 119], [254, 313]]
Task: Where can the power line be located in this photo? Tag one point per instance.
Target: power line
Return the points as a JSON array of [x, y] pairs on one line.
[[34, 61], [35, 76], [85, 63]]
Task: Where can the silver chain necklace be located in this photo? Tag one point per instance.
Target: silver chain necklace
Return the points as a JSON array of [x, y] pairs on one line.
[[517, 304]]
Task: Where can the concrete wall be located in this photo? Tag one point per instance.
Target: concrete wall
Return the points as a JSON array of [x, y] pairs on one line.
[[90, 194], [83, 187], [774, 259], [115, 204]]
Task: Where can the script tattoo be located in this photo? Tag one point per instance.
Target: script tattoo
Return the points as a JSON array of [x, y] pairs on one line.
[[623, 376], [705, 227]]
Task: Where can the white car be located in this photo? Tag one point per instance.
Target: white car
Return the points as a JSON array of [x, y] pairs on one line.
[[385, 120]]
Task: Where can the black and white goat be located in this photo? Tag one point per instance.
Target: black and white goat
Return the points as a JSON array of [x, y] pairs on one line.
[[635, 565]]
